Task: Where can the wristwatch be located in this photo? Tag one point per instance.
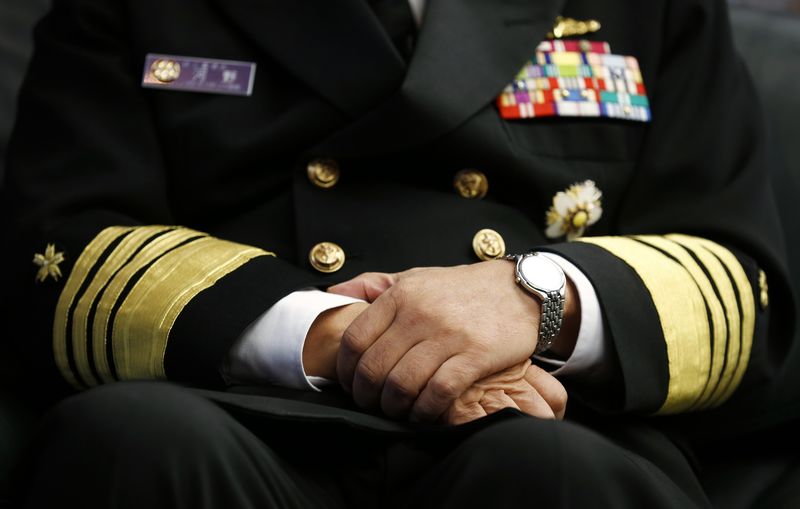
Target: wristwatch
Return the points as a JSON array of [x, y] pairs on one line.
[[544, 279]]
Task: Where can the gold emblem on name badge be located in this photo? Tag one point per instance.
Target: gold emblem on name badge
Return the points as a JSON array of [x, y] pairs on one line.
[[570, 27], [165, 70], [574, 210], [48, 263], [323, 173], [326, 257], [471, 184], [488, 245]]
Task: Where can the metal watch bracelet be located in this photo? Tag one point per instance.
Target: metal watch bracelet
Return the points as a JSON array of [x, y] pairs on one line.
[[550, 324]]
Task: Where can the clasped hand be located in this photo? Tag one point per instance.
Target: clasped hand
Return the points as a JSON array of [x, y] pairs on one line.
[[445, 344]]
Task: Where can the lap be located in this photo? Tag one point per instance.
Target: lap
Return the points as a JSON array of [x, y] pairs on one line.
[[166, 436]]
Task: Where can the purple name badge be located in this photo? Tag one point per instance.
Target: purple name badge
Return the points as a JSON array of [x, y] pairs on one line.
[[192, 74]]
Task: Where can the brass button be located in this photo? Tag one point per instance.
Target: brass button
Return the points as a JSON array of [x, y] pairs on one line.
[[165, 70], [488, 245], [323, 173], [471, 184], [326, 257]]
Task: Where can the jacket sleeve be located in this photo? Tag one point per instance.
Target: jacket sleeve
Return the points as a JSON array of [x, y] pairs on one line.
[[140, 296], [683, 286]]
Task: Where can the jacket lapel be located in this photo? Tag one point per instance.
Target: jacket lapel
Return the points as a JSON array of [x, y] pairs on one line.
[[467, 51], [336, 47]]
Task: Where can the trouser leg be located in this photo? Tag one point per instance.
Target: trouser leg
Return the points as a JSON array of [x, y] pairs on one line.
[[156, 445], [532, 463]]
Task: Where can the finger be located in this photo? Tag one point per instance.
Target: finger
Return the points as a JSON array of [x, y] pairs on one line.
[[549, 388], [449, 382], [410, 375], [496, 400], [376, 363], [368, 286], [360, 335], [532, 403], [462, 413]]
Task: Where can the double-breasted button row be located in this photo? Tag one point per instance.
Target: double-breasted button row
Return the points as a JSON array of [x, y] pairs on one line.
[[469, 183], [328, 257]]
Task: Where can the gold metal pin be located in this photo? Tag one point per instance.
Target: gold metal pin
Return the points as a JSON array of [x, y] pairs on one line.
[[570, 27]]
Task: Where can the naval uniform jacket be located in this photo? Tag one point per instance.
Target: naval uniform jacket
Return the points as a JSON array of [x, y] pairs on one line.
[[183, 216]]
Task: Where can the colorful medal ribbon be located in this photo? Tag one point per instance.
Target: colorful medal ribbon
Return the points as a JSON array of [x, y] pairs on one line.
[[577, 78]]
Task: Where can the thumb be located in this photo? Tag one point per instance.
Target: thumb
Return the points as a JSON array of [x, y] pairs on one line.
[[367, 286]]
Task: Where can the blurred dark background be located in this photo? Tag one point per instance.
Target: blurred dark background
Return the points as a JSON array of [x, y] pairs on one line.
[[770, 5]]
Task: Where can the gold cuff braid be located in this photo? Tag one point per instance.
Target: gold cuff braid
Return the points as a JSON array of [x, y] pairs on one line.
[[706, 310], [122, 298]]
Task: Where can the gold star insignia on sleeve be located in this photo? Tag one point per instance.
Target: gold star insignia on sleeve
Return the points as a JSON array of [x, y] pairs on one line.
[[48, 263]]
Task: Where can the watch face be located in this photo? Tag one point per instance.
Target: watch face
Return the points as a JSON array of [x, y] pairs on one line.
[[541, 273]]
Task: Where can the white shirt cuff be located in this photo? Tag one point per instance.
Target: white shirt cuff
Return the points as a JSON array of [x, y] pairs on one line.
[[591, 347], [270, 350]]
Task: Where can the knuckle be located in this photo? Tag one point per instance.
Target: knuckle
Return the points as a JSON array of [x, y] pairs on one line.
[[451, 329], [353, 339], [400, 387], [401, 292], [560, 401], [444, 388], [368, 374], [476, 360]]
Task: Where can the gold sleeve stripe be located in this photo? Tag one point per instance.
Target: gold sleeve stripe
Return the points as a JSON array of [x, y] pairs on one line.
[[105, 272], [143, 322], [715, 310], [682, 313], [129, 285], [729, 301], [747, 305], [83, 265], [145, 255]]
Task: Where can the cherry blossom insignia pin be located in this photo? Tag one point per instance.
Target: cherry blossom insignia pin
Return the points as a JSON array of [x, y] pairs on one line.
[[574, 210], [48, 263]]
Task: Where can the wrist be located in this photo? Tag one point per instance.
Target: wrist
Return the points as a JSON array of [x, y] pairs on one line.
[[564, 343], [322, 342]]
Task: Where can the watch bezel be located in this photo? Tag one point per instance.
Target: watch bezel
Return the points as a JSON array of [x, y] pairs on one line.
[[532, 286]]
